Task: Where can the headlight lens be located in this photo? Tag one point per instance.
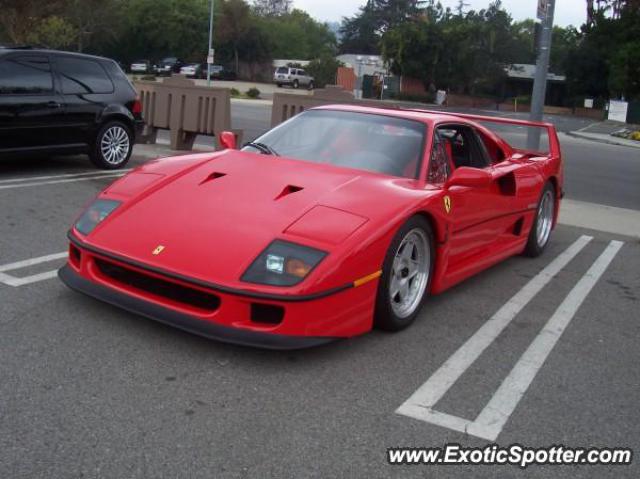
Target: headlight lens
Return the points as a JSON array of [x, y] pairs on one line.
[[283, 264], [94, 214]]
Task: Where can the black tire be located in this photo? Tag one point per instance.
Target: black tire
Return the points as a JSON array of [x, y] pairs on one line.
[[296, 84], [534, 247], [96, 154], [279, 85], [385, 317], [311, 85]]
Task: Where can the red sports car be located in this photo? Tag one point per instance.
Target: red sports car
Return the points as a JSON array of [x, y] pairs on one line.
[[339, 220]]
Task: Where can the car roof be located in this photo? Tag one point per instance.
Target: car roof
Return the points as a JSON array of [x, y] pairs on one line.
[[423, 116], [26, 49]]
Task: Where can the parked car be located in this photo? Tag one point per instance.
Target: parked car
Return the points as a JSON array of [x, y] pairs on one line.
[[194, 70], [341, 219], [295, 77], [141, 66], [60, 102], [218, 72], [169, 65]]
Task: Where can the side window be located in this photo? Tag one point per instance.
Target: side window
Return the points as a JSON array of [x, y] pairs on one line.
[[301, 72], [28, 75], [80, 76], [439, 167], [491, 149]]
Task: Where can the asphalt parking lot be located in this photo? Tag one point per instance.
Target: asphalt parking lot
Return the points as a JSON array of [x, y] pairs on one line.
[[536, 352]]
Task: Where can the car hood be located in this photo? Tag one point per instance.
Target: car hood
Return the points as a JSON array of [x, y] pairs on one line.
[[215, 218]]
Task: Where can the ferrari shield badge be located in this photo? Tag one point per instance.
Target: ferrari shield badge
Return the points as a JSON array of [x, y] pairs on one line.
[[447, 204], [159, 249]]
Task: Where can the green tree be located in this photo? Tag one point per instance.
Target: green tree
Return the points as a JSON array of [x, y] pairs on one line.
[[233, 23], [324, 70], [53, 32]]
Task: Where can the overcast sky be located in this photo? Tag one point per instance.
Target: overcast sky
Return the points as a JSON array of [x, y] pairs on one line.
[[568, 12]]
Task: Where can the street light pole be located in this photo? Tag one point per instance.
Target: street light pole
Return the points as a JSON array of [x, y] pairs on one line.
[[542, 67], [210, 43]]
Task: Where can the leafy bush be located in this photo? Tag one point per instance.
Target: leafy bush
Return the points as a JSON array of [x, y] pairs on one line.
[[235, 92], [324, 70], [148, 78], [253, 93]]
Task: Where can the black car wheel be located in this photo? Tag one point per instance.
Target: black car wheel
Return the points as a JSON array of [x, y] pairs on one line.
[[406, 275], [311, 85], [296, 84], [113, 146]]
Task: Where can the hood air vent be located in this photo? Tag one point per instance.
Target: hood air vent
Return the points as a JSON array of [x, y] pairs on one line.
[[213, 176], [287, 190]]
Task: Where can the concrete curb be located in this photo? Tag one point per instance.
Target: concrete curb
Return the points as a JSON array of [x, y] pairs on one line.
[[602, 138], [609, 219]]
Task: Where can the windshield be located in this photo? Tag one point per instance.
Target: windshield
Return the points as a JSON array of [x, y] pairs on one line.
[[378, 143], [282, 70]]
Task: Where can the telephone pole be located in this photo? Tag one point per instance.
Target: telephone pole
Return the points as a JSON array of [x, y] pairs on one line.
[[210, 52], [545, 14]]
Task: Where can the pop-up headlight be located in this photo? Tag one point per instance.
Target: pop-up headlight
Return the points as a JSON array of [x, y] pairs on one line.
[[94, 214], [283, 264]]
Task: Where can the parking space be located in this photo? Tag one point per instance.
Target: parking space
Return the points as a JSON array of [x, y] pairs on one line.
[[533, 351]]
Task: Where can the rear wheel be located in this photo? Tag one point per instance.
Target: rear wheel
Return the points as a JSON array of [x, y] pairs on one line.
[[406, 275], [541, 229], [113, 146], [311, 85], [296, 84]]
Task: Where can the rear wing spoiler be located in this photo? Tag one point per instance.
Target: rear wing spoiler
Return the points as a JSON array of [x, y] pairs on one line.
[[554, 143]]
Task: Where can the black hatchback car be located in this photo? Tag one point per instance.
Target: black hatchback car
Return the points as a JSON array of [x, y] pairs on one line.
[[67, 103]]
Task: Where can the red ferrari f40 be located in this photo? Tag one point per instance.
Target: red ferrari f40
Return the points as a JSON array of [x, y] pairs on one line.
[[341, 219]]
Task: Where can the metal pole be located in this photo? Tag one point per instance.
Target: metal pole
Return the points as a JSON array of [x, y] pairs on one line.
[[210, 43], [540, 80]]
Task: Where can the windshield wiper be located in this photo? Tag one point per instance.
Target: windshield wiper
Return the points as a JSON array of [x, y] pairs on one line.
[[262, 148]]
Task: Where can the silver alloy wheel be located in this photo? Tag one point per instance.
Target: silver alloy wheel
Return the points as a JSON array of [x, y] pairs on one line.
[[115, 145], [545, 218], [410, 273]]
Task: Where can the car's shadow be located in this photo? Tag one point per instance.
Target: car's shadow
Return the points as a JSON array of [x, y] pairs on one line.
[[35, 164]]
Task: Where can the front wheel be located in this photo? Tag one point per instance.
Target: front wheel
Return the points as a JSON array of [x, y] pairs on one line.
[[113, 146], [543, 223], [296, 84], [406, 275]]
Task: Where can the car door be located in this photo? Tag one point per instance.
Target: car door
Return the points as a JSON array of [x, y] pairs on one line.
[[30, 107], [86, 90], [482, 218]]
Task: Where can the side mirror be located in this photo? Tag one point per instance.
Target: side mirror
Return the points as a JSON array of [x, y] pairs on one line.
[[473, 177], [227, 140]]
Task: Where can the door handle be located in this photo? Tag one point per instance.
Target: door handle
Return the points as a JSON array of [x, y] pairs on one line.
[[53, 104]]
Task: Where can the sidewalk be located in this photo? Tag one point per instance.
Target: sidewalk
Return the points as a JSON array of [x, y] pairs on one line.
[[601, 132]]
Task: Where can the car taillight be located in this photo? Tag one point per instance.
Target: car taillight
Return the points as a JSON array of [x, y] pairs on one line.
[[137, 107]]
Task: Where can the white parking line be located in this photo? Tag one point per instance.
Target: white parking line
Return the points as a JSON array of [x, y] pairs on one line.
[[15, 281], [421, 403], [53, 182], [67, 175], [496, 413]]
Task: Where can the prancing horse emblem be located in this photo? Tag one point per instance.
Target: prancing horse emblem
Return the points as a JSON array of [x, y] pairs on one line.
[[447, 204], [159, 249]]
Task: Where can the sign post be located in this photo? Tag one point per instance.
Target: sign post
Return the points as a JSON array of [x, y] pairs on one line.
[[545, 14]]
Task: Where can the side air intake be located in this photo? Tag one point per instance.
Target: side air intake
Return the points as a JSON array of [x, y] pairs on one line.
[[288, 190]]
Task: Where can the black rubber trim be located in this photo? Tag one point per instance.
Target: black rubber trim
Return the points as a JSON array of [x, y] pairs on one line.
[[185, 322], [205, 284]]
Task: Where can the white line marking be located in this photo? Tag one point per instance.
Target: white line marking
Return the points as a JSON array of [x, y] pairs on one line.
[[15, 282], [33, 261], [496, 413], [439, 383], [53, 182], [53, 177]]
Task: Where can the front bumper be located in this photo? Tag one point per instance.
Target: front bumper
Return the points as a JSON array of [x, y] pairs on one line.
[[274, 321], [184, 321]]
